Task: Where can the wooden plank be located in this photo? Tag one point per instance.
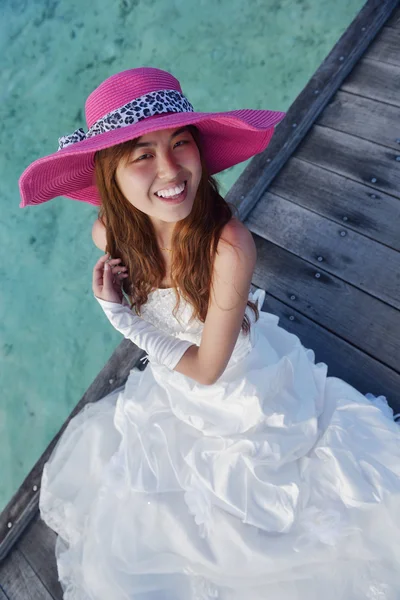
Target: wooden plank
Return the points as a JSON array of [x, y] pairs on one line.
[[342, 359], [375, 80], [385, 47], [356, 317], [37, 545], [365, 118], [325, 244], [350, 156], [23, 505], [19, 581], [394, 20], [375, 215], [260, 172]]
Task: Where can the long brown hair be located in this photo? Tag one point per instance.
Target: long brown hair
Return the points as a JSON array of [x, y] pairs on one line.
[[131, 236]]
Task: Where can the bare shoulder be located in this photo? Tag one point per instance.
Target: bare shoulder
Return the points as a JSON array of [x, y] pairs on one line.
[[236, 236], [234, 263], [99, 235]]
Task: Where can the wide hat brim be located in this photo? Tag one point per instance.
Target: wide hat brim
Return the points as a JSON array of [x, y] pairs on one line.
[[227, 138]]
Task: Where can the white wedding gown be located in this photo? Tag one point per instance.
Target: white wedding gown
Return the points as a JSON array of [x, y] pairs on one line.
[[275, 483]]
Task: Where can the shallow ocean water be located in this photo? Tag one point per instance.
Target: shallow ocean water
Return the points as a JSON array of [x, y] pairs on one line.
[[54, 338]]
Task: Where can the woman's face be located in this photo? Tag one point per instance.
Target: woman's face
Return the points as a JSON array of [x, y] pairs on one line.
[[161, 160]]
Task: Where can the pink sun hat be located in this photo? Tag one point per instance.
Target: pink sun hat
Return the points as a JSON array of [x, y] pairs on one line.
[[128, 105]]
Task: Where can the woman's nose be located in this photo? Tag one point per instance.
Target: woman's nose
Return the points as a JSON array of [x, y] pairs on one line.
[[168, 166]]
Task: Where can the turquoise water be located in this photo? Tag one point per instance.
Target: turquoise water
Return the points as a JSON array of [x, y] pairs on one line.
[[227, 55]]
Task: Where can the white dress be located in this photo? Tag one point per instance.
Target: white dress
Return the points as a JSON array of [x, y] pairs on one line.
[[277, 482]]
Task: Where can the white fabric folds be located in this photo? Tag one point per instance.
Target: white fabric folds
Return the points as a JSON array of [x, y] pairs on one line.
[[276, 482]]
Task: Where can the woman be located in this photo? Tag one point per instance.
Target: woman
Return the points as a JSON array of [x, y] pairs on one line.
[[232, 467]]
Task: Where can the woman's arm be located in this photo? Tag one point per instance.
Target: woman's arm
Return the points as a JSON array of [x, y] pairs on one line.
[[189, 365], [163, 348], [179, 355], [232, 275]]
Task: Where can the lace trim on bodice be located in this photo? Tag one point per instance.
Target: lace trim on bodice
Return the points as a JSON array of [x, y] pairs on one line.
[[161, 302], [158, 310]]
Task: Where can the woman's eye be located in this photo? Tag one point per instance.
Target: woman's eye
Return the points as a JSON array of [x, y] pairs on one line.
[[180, 142]]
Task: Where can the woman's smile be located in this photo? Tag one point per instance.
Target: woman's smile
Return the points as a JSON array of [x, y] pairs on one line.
[[178, 199]]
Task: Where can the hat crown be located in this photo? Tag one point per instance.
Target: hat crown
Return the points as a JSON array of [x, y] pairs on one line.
[[123, 87]]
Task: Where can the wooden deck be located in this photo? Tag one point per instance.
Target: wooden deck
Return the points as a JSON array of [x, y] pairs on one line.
[[327, 228], [323, 204]]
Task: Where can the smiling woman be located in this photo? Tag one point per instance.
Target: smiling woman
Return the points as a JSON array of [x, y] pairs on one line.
[[173, 158], [232, 466], [163, 244]]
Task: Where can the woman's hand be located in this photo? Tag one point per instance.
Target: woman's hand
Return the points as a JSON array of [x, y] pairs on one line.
[[107, 278]]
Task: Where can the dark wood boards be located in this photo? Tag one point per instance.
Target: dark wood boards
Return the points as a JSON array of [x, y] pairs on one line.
[[363, 118], [394, 20], [376, 80], [34, 564], [353, 158], [341, 308], [37, 545], [342, 200], [19, 581], [386, 46], [331, 247]]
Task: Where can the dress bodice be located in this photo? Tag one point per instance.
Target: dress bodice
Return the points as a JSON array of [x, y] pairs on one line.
[[159, 307], [159, 311]]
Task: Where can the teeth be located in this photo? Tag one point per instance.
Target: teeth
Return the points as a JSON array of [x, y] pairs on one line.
[[171, 192]]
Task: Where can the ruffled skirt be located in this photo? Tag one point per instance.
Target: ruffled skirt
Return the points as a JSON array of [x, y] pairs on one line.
[[277, 482]]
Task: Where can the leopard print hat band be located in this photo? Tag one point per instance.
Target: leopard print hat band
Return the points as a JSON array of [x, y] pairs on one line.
[[148, 105]]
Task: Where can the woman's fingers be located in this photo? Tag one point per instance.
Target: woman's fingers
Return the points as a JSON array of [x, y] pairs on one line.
[[98, 271], [105, 278], [108, 278]]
